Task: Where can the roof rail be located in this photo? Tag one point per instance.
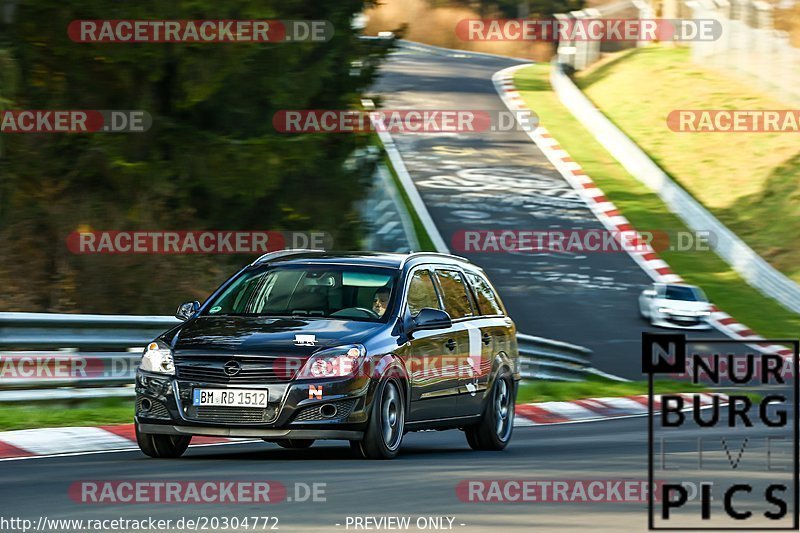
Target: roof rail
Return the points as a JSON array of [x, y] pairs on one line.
[[434, 254], [269, 256]]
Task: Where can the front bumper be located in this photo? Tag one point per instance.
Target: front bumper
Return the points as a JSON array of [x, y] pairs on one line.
[[316, 434], [164, 406], [680, 322]]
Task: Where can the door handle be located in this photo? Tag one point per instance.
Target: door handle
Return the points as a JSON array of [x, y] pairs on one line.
[[487, 339], [451, 344]]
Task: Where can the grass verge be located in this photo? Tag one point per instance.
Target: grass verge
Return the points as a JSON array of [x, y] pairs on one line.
[[425, 242], [111, 411], [646, 211], [93, 412], [533, 391], [748, 180], [120, 411]]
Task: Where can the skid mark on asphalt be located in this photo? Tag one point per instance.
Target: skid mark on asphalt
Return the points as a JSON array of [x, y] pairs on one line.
[[498, 195], [501, 180]]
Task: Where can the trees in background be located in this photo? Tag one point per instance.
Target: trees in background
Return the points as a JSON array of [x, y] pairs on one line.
[[211, 160], [516, 8]]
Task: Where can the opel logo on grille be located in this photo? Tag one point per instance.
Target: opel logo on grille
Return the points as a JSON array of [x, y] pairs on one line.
[[232, 368]]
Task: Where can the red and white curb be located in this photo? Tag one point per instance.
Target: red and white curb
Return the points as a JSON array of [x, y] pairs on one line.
[[611, 217], [587, 410], [76, 440], [48, 442]]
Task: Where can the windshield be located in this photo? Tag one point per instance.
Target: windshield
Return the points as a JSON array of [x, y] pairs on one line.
[[689, 294], [327, 291]]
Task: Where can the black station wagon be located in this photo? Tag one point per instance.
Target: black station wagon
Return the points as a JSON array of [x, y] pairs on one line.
[[307, 345]]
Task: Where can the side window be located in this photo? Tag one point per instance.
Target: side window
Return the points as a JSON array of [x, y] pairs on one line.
[[454, 293], [421, 292], [488, 302]]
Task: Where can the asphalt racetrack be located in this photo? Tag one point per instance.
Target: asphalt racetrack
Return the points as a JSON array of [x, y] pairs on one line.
[[500, 180], [468, 181]]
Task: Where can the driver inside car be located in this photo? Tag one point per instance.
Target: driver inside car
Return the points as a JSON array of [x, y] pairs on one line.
[[380, 300]]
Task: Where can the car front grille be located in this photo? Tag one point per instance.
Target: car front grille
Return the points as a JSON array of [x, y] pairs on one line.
[[230, 415], [211, 369], [679, 319]]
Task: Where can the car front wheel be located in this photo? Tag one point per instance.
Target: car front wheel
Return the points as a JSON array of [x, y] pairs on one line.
[[386, 424], [494, 430], [162, 446]]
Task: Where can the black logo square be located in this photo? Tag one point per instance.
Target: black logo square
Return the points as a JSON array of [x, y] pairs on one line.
[[663, 353]]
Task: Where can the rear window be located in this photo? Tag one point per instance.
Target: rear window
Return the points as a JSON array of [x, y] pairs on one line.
[[488, 302]]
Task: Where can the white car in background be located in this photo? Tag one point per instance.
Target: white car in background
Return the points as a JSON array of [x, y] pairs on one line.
[[675, 306]]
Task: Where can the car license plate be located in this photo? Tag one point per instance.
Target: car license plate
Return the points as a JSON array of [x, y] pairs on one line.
[[230, 397]]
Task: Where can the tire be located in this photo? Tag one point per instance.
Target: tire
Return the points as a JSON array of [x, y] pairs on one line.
[[386, 424], [295, 444], [162, 446], [493, 432]]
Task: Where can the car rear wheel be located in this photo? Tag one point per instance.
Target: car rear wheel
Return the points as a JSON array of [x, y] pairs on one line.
[[296, 444], [162, 446], [494, 430], [386, 424]]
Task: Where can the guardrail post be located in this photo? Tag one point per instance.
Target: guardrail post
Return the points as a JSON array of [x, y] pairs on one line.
[[581, 46], [645, 12], [566, 50]]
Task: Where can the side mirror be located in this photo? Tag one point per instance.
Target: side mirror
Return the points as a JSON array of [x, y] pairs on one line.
[[185, 311], [430, 318]]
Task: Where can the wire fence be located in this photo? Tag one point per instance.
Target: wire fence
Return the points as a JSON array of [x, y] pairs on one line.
[[749, 46]]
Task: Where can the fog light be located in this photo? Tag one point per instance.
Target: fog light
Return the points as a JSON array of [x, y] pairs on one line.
[[328, 410]]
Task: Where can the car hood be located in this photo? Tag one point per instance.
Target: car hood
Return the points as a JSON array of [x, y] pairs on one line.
[[267, 335], [681, 305]]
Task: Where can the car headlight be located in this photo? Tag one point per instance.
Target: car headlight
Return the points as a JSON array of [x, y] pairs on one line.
[[157, 357], [703, 313], [338, 362], [665, 310]]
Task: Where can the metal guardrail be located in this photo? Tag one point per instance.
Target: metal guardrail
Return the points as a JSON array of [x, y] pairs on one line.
[[88, 356], [78, 356], [552, 360], [26, 331]]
